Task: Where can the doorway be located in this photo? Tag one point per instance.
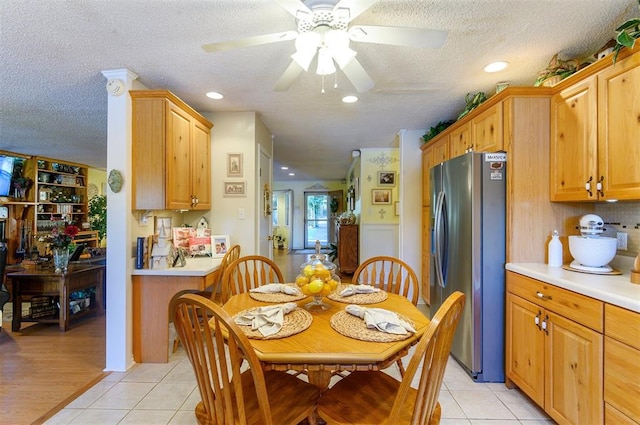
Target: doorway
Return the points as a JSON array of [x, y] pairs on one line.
[[316, 219], [282, 218]]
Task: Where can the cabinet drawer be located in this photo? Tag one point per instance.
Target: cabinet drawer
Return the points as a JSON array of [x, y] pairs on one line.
[[584, 310], [622, 324], [621, 372]]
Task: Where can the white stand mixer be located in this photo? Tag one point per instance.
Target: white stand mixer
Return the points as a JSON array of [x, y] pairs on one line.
[[591, 251]]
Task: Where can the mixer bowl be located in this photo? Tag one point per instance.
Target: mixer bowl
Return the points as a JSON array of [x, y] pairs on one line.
[[592, 252]]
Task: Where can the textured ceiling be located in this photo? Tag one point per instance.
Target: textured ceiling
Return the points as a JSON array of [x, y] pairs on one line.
[[53, 100]]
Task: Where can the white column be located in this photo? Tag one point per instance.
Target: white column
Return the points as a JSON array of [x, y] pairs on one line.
[[119, 356]]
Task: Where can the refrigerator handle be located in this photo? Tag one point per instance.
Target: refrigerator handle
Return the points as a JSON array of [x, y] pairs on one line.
[[438, 239]]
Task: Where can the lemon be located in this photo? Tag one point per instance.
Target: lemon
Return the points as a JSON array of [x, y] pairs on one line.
[[333, 284], [316, 286], [308, 270], [301, 280], [326, 289], [305, 289]]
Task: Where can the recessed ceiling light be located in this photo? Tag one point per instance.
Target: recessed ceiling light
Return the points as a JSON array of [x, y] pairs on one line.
[[350, 99], [496, 66], [214, 95], [284, 168], [292, 174]]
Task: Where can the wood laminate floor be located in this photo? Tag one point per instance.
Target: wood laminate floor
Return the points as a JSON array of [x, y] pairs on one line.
[[43, 369]]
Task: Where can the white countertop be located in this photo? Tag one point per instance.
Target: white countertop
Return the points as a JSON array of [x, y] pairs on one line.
[[613, 289], [196, 266]]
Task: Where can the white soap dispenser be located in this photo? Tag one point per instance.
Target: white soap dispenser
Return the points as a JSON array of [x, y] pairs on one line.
[[555, 250]]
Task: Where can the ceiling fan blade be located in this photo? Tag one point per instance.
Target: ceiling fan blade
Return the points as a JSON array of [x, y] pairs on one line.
[[295, 7], [358, 76], [289, 76], [397, 36], [250, 41], [353, 7]]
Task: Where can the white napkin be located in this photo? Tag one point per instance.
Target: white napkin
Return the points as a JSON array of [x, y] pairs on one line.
[[381, 319], [274, 288], [268, 319], [358, 289]]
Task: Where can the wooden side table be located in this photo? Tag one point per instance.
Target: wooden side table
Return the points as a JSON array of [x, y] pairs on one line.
[[41, 281]]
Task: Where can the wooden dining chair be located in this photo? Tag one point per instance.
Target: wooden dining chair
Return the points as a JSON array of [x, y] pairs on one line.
[[231, 393], [247, 273], [390, 274], [232, 254], [374, 397]]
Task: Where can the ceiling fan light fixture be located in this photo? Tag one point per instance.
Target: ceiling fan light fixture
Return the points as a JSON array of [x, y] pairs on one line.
[[325, 62], [306, 46]]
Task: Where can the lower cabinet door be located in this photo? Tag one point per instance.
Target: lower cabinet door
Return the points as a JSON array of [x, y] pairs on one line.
[[574, 372], [525, 347]]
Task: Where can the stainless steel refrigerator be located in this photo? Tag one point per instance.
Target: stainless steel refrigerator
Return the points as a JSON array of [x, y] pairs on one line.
[[468, 254]]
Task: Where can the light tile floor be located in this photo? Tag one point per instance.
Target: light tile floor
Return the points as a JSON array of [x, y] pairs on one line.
[[155, 394]]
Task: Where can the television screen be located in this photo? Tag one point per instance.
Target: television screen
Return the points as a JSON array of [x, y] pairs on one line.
[[6, 170]]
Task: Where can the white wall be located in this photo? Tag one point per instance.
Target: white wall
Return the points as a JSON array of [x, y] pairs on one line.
[[410, 245], [236, 132]]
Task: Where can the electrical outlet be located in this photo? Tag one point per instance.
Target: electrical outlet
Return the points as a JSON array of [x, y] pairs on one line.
[[622, 241]]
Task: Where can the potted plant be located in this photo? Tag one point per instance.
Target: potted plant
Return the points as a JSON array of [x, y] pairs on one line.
[[98, 215], [628, 32], [556, 71]]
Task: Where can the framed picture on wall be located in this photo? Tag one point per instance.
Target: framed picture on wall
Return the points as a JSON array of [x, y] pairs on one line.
[[234, 165], [381, 196], [235, 189], [386, 178]]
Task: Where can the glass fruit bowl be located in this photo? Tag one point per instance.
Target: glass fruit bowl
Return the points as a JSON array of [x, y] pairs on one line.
[[317, 278]]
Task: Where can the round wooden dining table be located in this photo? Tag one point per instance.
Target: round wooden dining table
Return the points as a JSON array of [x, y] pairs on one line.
[[320, 350]]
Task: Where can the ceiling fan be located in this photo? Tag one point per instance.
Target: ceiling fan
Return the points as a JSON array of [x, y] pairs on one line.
[[323, 30]]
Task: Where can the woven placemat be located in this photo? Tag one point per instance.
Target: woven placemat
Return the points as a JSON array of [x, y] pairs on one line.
[[278, 297], [372, 298], [354, 327], [295, 322]]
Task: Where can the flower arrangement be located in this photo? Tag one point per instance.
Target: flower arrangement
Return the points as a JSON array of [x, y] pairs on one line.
[[61, 237]]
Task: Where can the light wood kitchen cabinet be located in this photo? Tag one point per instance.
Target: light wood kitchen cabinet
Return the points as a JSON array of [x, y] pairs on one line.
[[554, 347], [594, 154], [486, 130], [437, 151], [171, 153], [482, 133], [621, 365], [619, 129], [460, 140]]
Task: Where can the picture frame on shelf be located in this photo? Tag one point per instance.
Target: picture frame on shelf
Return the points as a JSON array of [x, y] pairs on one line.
[[220, 245], [234, 165], [235, 189], [386, 178], [381, 196]]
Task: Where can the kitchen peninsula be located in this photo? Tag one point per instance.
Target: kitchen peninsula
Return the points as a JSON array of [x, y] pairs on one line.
[[151, 292]]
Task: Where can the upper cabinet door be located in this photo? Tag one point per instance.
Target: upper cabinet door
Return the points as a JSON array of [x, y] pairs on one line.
[[486, 130], [178, 178], [460, 140], [619, 130], [201, 168], [572, 160]]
